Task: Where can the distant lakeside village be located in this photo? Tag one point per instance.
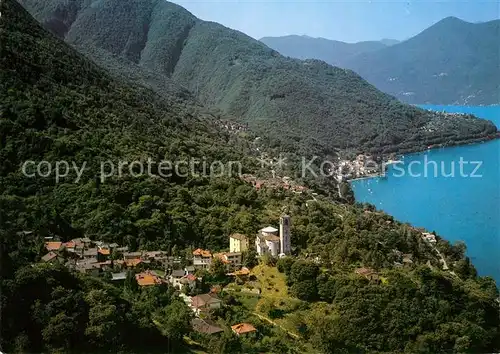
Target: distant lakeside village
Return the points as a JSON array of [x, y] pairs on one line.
[[185, 273], [343, 169]]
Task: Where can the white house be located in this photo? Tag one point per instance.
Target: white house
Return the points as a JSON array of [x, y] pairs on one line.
[[202, 259]]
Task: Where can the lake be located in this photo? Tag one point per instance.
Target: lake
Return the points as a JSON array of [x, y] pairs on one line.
[[440, 191]]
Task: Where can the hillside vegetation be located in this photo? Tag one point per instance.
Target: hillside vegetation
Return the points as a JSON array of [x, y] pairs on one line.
[[304, 106], [58, 105]]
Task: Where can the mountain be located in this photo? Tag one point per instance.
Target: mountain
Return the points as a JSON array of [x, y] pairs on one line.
[[307, 107], [333, 52], [57, 105], [389, 42], [452, 62]]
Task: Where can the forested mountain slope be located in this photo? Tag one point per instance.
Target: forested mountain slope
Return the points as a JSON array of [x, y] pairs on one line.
[[57, 105], [332, 52], [451, 62], [304, 105]]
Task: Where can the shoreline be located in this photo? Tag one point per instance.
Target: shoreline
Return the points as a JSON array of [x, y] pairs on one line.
[[365, 177], [400, 157]]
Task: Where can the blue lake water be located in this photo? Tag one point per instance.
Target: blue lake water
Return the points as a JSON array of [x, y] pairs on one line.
[[462, 207]]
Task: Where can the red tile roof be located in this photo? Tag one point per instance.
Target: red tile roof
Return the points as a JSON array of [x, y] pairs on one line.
[[132, 262], [69, 244], [242, 328], [49, 256], [104, 251], [147, 278], [222, 257], [53, 245], [242, 271], [205, 326], [203, 253]]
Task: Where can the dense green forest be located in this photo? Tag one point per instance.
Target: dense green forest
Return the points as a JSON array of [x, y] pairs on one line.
[[46, 308], [58, 105], [412, 312], [319, 108]]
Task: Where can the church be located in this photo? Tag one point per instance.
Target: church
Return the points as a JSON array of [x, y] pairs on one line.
[[275, 242]]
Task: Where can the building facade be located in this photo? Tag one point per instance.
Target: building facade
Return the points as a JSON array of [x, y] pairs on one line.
[[202, 259], [267, 241], [238, 243]]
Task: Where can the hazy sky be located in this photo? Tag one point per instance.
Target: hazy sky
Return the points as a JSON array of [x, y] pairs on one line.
[[349, 21]]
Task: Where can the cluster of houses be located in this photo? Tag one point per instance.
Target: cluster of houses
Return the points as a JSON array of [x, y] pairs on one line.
[[361, 166], [231, 127], [93, 257], [269, 240], [428, 237], [402, 259], [202, 305], [88, 256], [238, 243]]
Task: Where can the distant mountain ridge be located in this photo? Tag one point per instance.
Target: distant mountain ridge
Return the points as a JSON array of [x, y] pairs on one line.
[[451, 62], [306, 107], [333, 52], [389, 41]]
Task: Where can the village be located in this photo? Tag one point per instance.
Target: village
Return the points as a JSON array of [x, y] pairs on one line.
[[152, 268], [186, 274]]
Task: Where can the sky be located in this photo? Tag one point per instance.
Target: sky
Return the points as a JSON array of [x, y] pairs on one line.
[[347, 20]]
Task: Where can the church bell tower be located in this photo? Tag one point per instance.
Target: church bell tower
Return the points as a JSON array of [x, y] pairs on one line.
[[285, 245]]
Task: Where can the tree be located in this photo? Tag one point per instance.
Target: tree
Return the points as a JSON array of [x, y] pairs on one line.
[[303, 270], [284, 264], [226, 343], [58, 332], [326, 287], [249, 258], [104, 322], [305, 290], [218, 269], [175, 320], [131, 282]]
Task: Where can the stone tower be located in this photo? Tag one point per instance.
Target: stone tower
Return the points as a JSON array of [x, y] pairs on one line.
[[285, 245]]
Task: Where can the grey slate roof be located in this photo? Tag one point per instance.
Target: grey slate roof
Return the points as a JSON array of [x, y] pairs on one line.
[[179, 273]]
